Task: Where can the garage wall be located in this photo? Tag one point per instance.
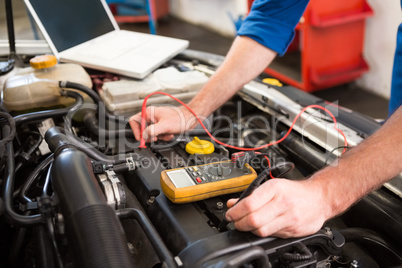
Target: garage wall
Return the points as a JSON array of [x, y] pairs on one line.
[[379, 46], [380, 43], [212, 14]]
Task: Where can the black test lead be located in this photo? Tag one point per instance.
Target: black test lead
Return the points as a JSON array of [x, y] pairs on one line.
[[255, 184]]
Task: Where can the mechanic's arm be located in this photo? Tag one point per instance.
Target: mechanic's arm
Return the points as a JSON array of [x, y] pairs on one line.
[[287, 208], [245, 60]]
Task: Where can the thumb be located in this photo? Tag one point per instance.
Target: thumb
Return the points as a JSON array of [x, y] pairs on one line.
[[231, 202]]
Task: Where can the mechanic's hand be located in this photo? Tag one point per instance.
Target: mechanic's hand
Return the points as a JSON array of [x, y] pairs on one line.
[[163, 122], [281, 208]]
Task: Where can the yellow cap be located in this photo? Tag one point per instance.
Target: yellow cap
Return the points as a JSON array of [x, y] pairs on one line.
[[43, 61], [197, 146], [272, 81]]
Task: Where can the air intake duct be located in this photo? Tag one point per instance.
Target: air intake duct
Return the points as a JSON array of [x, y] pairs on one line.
[[92, 227]]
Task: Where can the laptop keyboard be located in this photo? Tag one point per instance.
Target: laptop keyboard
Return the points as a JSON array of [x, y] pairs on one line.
[[112, 48]]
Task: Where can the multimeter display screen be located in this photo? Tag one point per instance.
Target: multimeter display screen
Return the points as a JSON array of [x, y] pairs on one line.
[[180, 178]]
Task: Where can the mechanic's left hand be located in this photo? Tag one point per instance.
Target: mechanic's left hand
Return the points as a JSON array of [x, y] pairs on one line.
[[281, 208], [166, 121]]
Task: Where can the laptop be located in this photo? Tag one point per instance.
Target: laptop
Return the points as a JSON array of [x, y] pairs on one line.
[[85, 32]]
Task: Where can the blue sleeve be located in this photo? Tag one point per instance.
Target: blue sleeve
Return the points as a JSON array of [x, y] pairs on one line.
[[395, 100], [272, 22]]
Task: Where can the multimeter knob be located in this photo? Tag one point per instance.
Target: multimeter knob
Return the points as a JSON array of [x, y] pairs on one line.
[[219, 170]]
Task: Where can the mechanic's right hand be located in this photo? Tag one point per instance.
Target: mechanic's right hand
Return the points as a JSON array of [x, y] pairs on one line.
[[163, 122], [281, 208]]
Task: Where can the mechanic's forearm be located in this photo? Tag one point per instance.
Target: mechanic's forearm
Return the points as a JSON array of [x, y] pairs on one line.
[[364, 168], [245, 60]]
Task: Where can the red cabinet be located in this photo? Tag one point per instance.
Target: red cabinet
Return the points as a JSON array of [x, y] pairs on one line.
[[158, 8], [328, 48]]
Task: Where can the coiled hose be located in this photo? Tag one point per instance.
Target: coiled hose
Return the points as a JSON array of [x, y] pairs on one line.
[[8, 189]]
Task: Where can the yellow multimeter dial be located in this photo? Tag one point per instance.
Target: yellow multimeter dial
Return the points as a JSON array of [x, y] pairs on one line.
[[189, 184]]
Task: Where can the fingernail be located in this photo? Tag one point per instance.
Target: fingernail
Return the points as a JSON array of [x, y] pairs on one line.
[[228, 218]]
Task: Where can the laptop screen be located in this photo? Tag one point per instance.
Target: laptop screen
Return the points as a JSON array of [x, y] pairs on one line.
[[72, 22]]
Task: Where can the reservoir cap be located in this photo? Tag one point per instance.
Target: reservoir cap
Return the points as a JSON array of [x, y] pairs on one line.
[[43, 61], [197, 146]]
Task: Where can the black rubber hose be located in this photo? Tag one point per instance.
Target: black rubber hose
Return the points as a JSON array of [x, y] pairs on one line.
[[255, 255], [33, 176], [153, 236], [31, 150], [369, 237], [8, 189], [19, 119], [18, 242], [57, 139], [92, 94], [92, 124], [93, 153], [51, 235], [92, 227], [44, 251], [52, 137], [302, 254], [13, 132]]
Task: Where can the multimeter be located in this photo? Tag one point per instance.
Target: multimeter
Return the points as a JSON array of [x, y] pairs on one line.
[[194, 183]]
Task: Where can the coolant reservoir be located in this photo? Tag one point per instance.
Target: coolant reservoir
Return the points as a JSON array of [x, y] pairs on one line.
[[37, 86]]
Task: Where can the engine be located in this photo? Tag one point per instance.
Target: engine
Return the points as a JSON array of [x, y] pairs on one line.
[[77, 191]]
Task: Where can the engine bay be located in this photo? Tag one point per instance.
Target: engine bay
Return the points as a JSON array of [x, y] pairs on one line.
[[77, 191]]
